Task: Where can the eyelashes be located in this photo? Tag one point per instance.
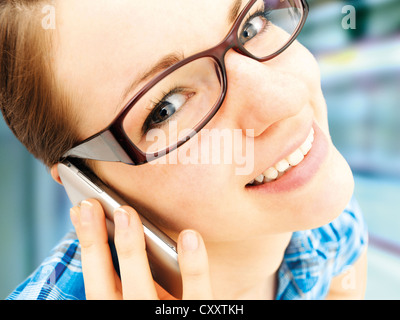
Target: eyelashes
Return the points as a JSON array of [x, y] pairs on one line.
[[166, 108]]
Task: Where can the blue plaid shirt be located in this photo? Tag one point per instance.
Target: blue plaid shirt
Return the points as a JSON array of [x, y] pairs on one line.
[[311, 259]]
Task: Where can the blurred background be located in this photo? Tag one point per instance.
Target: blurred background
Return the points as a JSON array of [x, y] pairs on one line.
[[361, 80]]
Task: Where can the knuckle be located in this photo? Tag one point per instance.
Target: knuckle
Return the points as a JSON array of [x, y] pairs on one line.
[[128, 245], [86, 244], [195, 272], [125, 252], [126, 248], [91, 245]]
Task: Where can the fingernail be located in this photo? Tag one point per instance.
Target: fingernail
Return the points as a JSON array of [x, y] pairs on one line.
[[189, 241], [121, 218], [86, 211]]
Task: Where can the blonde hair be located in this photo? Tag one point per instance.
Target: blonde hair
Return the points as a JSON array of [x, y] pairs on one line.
[[34, 106]]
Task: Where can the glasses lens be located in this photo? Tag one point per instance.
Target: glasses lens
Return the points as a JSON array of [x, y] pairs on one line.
[[269, 26], [171, 110]]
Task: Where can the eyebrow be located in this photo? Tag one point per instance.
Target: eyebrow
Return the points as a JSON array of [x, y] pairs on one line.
[[173, 58], [162, 64], [234, 11]]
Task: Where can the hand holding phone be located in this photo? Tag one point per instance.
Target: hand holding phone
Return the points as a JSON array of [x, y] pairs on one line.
[[101, 281], [188, 279]]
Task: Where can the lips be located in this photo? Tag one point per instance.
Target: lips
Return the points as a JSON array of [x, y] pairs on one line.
[[295, 169]]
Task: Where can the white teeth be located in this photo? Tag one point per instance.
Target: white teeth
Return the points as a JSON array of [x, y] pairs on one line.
[[282, 166], [305, 147], [271, 173], [295, 158], [260, 178], [311, 135]]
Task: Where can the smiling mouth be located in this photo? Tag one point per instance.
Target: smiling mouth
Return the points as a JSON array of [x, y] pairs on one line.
[[283, 166]]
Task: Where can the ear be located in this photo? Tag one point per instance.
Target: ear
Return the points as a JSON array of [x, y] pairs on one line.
[[54, 174]]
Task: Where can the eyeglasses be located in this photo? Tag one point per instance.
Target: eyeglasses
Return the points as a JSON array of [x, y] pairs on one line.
[[178, 102]]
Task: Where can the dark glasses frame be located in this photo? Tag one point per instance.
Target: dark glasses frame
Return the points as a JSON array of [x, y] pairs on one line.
[[112, 143]]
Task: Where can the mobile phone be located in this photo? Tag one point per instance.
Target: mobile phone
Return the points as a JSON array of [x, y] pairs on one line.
[[81, 183]]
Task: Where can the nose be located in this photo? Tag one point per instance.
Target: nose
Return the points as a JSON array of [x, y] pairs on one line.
[[261, 94]]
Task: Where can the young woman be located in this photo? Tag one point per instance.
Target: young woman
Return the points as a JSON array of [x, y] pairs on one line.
[[287, 229]]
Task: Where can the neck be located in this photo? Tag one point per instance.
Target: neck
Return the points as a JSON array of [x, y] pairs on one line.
[[246, 269]]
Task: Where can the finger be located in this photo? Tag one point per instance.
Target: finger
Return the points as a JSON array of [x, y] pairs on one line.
[[136, 278], [193, 263], [97, 267]]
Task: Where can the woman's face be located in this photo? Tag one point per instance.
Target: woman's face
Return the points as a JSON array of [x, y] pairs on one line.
[[103, 45]]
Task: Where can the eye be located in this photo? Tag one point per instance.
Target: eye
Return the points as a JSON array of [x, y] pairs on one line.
[[169, 105], [254, 25]]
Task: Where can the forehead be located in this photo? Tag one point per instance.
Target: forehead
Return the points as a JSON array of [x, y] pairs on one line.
[[142, 30]]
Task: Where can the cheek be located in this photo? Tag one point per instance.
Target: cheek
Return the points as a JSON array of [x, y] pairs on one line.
[[191, 194], [174, 196], [299, 61], [301, 64]]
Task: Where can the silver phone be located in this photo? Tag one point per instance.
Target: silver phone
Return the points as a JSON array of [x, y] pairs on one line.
[[81, 184]]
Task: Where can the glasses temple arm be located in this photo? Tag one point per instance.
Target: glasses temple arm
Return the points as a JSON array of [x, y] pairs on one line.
[[104, 147]]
